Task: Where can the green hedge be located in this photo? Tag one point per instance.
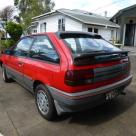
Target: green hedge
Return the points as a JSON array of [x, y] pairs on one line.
[[4, 44], [14, 30]]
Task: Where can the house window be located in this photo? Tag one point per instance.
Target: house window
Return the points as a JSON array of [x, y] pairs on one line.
[[35, 31], [61, 24], [43, 27], [95, 30], [90, 29]]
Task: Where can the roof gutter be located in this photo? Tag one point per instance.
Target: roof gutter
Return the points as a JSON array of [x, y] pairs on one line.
[[111, 26], [43, 15]]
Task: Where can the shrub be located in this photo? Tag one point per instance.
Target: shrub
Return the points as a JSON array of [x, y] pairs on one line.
[[4, 44], [14, 30]]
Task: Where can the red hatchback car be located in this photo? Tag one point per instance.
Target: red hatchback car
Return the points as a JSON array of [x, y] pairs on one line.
[[67, 71]]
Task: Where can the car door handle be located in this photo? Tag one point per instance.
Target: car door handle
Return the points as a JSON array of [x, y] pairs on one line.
[[20, 64]]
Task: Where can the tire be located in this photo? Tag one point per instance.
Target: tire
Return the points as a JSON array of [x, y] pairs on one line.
[[45, 103], [5, 77]]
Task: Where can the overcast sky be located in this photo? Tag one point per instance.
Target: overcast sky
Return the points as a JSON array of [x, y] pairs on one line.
[[96, 6]]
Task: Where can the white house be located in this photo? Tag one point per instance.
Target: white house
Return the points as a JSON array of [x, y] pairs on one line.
[[74, 20]]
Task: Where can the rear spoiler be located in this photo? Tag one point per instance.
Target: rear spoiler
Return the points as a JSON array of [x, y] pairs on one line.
[[99, 53], [71, 34], [97, 57]]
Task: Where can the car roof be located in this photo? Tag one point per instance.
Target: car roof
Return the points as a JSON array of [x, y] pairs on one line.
[[59, 33]]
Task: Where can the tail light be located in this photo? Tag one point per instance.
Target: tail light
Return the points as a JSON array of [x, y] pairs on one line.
[[78, 77], [128, 66]]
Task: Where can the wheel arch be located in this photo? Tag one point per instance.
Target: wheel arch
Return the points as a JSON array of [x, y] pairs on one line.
[[35, 83], [1, 63]]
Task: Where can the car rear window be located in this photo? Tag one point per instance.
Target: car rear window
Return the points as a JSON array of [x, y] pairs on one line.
[[87, 43]]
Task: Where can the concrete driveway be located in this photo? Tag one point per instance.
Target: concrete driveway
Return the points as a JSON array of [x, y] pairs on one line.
[[19, 116], [132, 50]]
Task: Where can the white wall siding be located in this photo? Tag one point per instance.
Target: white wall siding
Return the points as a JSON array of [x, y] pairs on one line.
[[51, 23], [109, 34], [106, 33], [72, 25], [38, 27]]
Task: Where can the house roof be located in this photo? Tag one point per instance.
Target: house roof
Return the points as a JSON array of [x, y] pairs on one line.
[[82, 16], [120, 12]]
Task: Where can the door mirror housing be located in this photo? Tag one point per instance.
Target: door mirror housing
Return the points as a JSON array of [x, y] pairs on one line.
[[8, 52]]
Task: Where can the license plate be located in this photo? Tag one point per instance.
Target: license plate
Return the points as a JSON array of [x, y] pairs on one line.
[[111, 95]]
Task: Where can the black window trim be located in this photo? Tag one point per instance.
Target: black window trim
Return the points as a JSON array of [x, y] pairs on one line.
[[90, 28], [61, 24], [97, 36], [59, 34], [29, 47], [28, 56], [96, 29]]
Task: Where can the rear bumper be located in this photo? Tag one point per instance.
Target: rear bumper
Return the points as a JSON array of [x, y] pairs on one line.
[[73, 102]]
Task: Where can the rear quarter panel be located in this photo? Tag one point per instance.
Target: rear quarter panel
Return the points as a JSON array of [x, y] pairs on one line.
[[59, 71]]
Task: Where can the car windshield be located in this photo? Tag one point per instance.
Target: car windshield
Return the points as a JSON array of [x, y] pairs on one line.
[[83, 44]]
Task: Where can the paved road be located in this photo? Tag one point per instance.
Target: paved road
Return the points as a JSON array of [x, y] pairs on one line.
[[132, 50], [19, 116]]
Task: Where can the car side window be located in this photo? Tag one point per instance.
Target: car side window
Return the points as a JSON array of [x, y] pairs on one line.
[[43, 49], [23, 47]]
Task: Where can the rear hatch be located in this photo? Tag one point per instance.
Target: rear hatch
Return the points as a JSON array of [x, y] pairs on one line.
[[108, 61]]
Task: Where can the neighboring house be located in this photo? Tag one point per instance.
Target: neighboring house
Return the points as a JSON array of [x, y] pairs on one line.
[[74, 20], [126, 18]]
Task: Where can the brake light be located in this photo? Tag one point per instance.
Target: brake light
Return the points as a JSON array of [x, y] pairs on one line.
[[78, 77], [128, 66]]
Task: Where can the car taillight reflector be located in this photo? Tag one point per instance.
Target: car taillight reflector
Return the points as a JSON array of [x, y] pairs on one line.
[[78, 77]]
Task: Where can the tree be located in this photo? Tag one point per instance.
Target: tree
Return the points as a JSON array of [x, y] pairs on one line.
[[7, 13], [14, 30], [30, 8]]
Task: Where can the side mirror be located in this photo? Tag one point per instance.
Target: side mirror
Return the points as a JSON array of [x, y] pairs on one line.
[[2, 52], [8, 52]]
